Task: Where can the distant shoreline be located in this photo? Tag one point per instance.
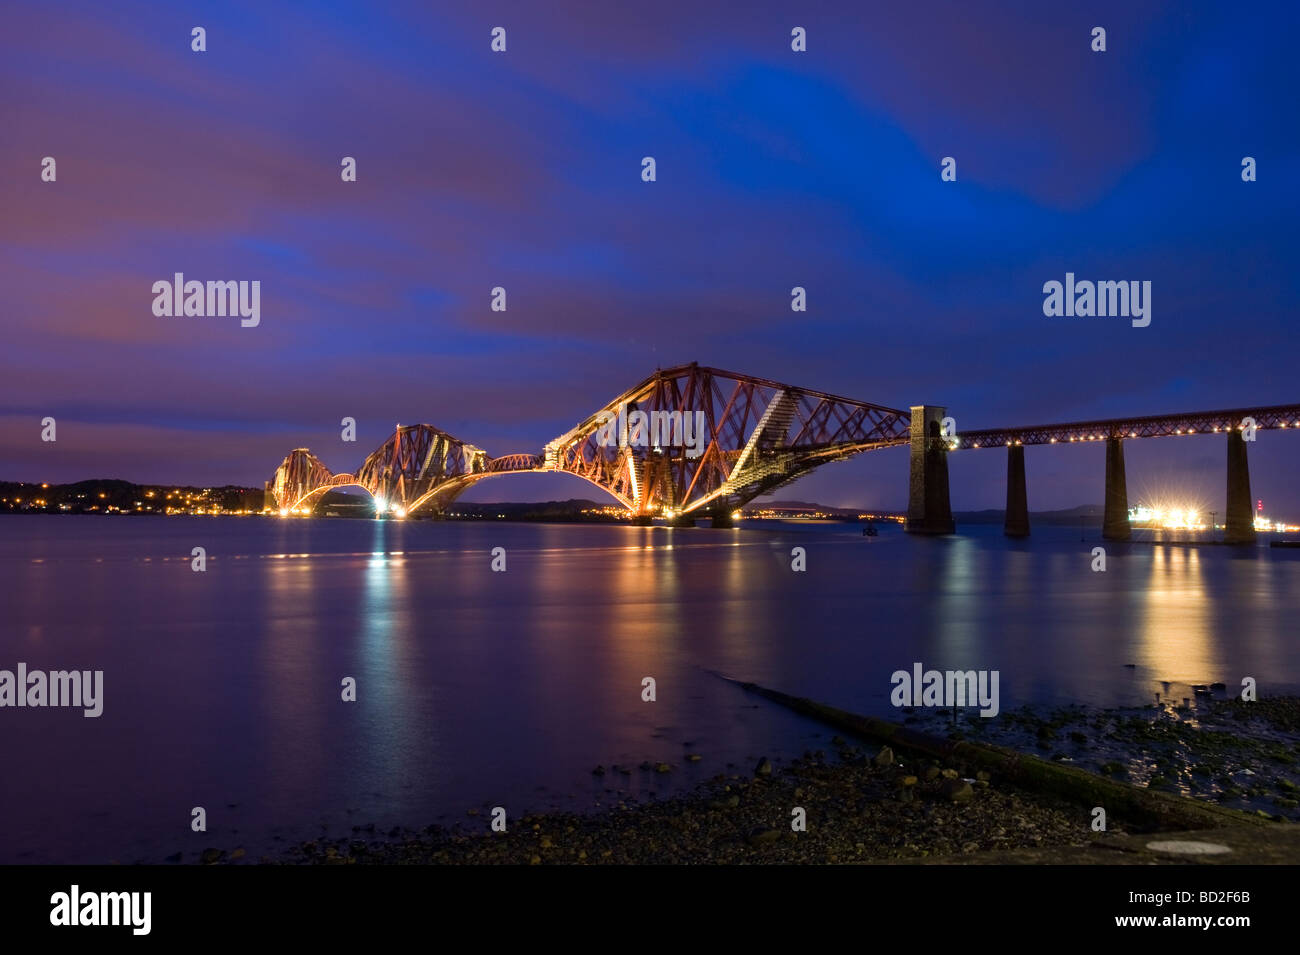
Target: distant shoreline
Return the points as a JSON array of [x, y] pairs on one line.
[[114, 496]]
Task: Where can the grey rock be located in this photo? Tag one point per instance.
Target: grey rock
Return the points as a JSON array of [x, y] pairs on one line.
[[957, 790]]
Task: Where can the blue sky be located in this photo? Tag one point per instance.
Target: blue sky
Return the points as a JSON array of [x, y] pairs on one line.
[[522, 170]]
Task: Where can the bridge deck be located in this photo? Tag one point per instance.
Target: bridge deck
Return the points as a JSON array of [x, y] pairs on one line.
[[1153, 426]]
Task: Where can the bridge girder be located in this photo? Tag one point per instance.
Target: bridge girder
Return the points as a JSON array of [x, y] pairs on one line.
[[1151, 426], [419, 466], [711, 440], [300, 474], [695, 439], [753, 436], [418, 459]]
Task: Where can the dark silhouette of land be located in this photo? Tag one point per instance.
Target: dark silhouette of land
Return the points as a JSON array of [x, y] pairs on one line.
[[114, 496]]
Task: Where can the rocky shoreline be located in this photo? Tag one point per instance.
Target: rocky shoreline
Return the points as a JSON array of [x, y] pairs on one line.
[[864, 803], [856, 809], [1242, 755]]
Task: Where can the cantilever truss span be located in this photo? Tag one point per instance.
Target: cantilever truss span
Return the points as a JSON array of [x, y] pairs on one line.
[[747, 436], [685, 440]]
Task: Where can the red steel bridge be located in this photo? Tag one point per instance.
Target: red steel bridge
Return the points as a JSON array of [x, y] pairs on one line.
[[686, 441], [694, 441]]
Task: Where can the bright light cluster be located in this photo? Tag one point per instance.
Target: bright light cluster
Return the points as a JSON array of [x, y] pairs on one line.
[[1263, 523], [1189, 518], [1171, 518]]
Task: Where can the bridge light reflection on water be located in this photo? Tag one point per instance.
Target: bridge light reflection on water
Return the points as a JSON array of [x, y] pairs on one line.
[[531, 677], [1176, 618]]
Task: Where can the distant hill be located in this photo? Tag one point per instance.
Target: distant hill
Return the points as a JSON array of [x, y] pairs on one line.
[[804, 506], [1073, 515], [110, 494], [574, 509]]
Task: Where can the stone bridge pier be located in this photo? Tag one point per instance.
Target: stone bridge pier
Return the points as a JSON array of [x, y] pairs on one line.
[[1017, 519], [929, 510], [1239, 527], [1114, 520]]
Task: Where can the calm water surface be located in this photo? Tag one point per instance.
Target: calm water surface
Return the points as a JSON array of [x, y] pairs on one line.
[[475, 689]]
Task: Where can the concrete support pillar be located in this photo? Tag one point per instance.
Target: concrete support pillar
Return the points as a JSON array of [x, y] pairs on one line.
[[721, 518], [1017, 522], [928, 507], [1114, 523], [1240, 525]]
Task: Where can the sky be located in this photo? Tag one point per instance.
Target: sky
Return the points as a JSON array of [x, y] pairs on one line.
[[522, 169]]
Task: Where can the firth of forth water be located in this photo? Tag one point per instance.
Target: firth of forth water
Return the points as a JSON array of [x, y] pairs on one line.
[[476, 688]]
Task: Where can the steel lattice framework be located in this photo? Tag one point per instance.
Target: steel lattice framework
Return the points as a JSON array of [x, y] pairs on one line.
[[1153, 426], [416, 463], [419, 465], [301, 476], [756, 436]]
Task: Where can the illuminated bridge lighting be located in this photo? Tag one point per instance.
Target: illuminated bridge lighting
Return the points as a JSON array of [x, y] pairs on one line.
[[762, 434]]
